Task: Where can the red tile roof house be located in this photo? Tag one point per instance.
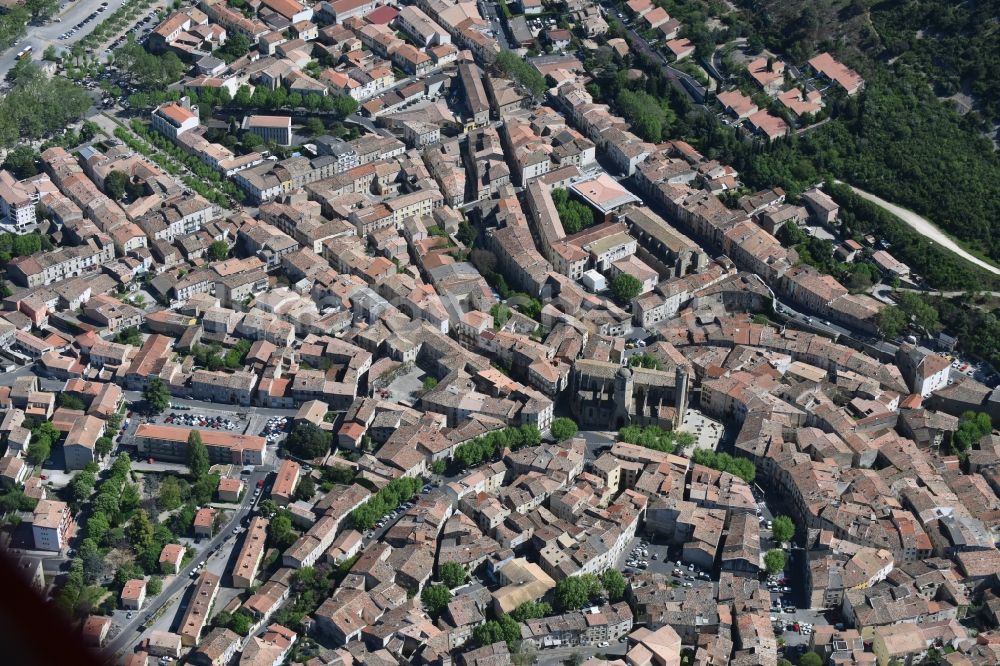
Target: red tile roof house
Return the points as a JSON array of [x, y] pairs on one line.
[[133, 594], [560, 39], [737, 104], [769, 74], [681, 48], [229, 490], [95, 630], [766, 125], [171, 557], [137, 659], [843, 76], [203, 521]]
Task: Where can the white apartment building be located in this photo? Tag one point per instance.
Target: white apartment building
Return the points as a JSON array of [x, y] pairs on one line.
[[51, 525], [172, 119]]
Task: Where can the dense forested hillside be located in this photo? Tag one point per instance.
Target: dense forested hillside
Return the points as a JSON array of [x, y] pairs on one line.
[[955, 44], [901, 139]]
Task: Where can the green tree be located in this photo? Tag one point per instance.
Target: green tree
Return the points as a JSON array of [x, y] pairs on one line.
[[810, 659], [154, 586], [268, 508], [243, 97], [70, 401], [439, 466], [774, 561], [218, 251], [104, 446], [125, 573], [644, 361], [614, 584], [452, 574], [22, 162], [204, 488], [315, 127], [280, 531], [650, 119], [626, 287], [341, 474], [430, 382], [130, 498], [129, 336], [503, 629], [563, 429], [309, 441], [435, 598], [171, 493], [140, 531], [521, 71], [236, 46], [42, 8], [240, 621], [466, 233], [93, 564], [107, 503], [39, 451], [197, 455], [344, 106], [531, 610], [500, 314], [783, 529], [37, 104], [156, 395], [115, 184], [574, 215], [306, 488], [43, 436], [146, 70], [89, 130], [972, 427], [97, 526], [575, 591], [741, 467], [81, 486]]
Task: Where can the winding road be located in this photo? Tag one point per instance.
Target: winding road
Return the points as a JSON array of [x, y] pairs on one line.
[[925, 228]]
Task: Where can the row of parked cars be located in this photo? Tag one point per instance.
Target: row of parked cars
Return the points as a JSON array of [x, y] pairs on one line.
[[690, 574], [637, 558], [778, 584], [274, 428], [191, 420], [392, 515], [93, 16]]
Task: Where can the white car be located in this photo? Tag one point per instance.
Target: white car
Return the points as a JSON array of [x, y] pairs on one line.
[[603, 644]]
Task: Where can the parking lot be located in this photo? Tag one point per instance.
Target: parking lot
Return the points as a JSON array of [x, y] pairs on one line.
[[90, 18], [979, 371], [653, 554], [273, 429], [209, 421]]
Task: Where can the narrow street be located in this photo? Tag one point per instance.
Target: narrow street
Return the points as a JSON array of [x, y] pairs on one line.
[[130, 633]]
